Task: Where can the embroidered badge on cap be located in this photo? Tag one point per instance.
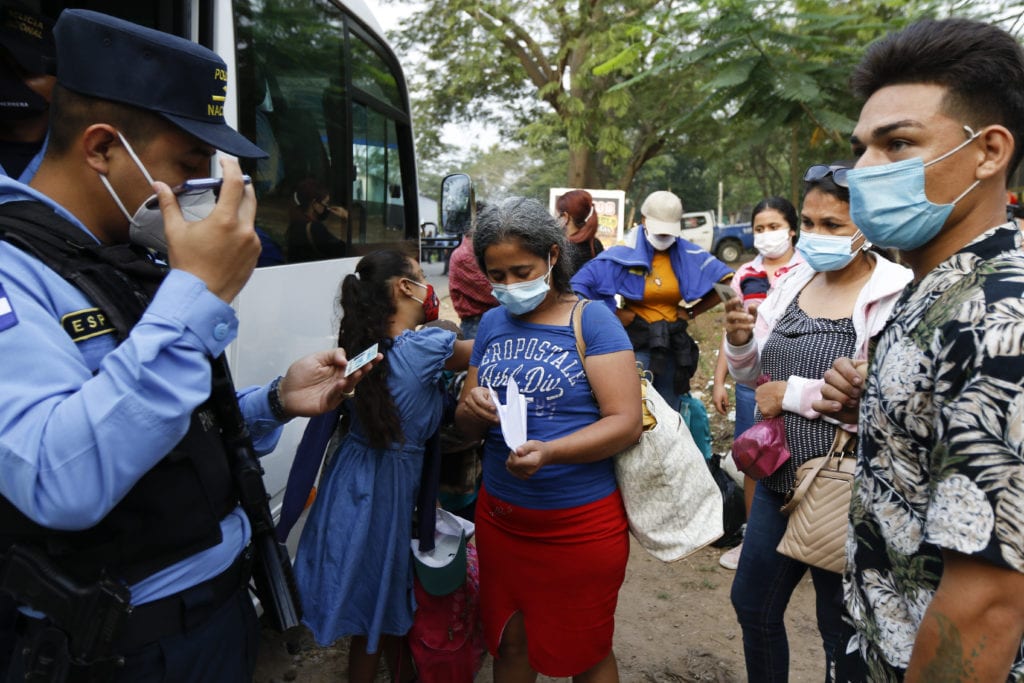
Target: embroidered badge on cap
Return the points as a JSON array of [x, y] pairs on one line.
[[86, 324], [7, 316]]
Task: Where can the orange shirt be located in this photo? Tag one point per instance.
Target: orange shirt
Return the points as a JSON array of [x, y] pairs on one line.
[[661, 292]]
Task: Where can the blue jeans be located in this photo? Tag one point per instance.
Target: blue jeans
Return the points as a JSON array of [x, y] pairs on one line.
[[662, 382], [761, 590], [745, 405], [468, 326]]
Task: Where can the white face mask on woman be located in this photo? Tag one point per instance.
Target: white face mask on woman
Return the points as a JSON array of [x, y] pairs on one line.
[[660, 242], [772, 243]]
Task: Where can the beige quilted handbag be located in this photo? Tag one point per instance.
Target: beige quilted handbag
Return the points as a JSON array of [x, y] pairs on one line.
[[673, 505], [819, 507]]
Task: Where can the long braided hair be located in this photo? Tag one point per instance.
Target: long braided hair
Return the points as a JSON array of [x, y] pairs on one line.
[[367, 305]]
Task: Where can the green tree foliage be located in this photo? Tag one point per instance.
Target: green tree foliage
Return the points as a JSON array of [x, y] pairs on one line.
[[544, 73], [750, 92], [776, 77]]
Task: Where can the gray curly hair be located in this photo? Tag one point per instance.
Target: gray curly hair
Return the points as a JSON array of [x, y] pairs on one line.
[[529, 223]]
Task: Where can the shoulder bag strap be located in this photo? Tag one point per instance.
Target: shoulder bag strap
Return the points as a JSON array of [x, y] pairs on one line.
[[577, 327], [839, 443]]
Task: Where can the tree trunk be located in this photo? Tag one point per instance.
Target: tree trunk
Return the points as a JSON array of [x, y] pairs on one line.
[[580, 171], [794, 167]]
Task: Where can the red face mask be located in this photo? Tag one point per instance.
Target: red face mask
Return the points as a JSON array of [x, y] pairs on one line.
[[431, 304]]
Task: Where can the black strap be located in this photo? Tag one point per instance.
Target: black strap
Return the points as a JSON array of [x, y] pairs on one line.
[[118, 279]]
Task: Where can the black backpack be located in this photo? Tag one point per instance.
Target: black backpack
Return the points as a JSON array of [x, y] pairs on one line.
[[734, 511]]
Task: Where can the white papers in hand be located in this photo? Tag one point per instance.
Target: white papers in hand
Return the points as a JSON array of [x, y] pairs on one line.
[[512, 415]]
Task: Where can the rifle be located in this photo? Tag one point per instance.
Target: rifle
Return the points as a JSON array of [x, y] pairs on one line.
[[272, 568]]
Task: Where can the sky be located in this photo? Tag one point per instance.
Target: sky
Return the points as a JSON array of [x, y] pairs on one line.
[[388, 14]]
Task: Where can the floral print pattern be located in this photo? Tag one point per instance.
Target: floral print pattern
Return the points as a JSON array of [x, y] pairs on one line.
[[941, 464]]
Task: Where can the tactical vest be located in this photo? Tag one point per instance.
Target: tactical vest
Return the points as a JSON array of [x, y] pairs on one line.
[[174, 510]]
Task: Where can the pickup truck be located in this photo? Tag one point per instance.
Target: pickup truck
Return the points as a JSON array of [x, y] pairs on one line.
[[727, 242]]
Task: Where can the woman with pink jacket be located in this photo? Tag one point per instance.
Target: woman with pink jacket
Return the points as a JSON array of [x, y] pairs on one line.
[[829, 306]]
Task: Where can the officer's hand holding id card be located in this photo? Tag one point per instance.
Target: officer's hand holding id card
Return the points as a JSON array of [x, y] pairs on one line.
[[361, 359]]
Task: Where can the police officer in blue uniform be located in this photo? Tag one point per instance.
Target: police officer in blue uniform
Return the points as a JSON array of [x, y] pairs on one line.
[[110, 459]]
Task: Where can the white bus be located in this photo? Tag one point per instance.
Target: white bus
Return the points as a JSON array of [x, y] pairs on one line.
[[314, 83]]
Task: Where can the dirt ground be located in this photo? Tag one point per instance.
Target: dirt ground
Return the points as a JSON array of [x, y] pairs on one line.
[[674, 622]]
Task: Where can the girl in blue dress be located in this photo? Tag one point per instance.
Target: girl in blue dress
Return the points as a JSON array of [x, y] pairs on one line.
[[353, 564]]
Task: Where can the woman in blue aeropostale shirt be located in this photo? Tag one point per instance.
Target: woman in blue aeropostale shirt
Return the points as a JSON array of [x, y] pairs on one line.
[[551, 529]]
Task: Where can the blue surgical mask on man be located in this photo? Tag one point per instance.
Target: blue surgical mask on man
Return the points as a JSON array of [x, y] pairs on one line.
[[522, 297], [888, 202], [827, 252]]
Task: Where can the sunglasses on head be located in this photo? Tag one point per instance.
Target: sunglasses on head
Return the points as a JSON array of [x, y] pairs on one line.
[[820, 172]]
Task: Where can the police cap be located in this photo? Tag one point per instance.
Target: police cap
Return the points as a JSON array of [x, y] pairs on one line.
[[111, 59], [28, 37]]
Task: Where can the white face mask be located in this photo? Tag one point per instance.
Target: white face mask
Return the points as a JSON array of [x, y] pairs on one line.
[[772, 243], [147, 224], [660, 242]]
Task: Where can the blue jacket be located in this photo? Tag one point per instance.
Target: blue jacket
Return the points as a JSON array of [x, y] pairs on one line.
[[623, 269]]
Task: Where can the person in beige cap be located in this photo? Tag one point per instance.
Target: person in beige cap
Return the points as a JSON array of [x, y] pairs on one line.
[[664, 281]]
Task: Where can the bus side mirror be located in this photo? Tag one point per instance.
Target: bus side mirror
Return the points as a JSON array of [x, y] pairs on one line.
[[457, 204]]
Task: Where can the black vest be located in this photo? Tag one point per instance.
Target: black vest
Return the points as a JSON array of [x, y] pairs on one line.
[[175, 509]]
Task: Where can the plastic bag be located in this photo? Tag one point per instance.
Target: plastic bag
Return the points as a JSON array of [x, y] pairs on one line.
[[696, 417], [762, 449]]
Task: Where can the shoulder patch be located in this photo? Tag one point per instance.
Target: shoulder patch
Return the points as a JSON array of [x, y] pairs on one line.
[[7, 317], [86, 324]]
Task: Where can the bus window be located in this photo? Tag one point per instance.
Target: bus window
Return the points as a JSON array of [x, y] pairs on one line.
[[377, 191], [163, 15], [332, 185], [371, 75]]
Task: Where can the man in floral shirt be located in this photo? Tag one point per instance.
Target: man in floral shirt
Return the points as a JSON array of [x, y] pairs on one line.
[[935, 575]]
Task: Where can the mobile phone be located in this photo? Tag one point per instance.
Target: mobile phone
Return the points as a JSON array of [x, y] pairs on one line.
[[361, 359], [196, 186], [725, 292], [203, 184]]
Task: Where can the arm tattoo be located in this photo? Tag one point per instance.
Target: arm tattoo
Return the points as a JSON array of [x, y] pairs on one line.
[[950, 663]]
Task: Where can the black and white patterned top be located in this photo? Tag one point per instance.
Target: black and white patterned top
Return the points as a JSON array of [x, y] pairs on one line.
[[941, 461], [806, 347]]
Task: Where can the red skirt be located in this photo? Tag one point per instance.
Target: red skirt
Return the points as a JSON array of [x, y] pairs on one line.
[[562, 569]]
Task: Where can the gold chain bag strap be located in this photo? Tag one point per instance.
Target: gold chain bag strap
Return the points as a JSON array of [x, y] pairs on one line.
[[672, 502], [819, 507]]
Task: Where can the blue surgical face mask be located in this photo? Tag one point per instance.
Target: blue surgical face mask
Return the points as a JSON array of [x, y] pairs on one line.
[[827, 252], [522, 297], [888, 202]]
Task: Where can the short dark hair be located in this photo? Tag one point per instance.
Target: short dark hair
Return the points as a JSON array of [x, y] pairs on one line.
[[71, 113], [780, 204], [980, 65], [529, 223]]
